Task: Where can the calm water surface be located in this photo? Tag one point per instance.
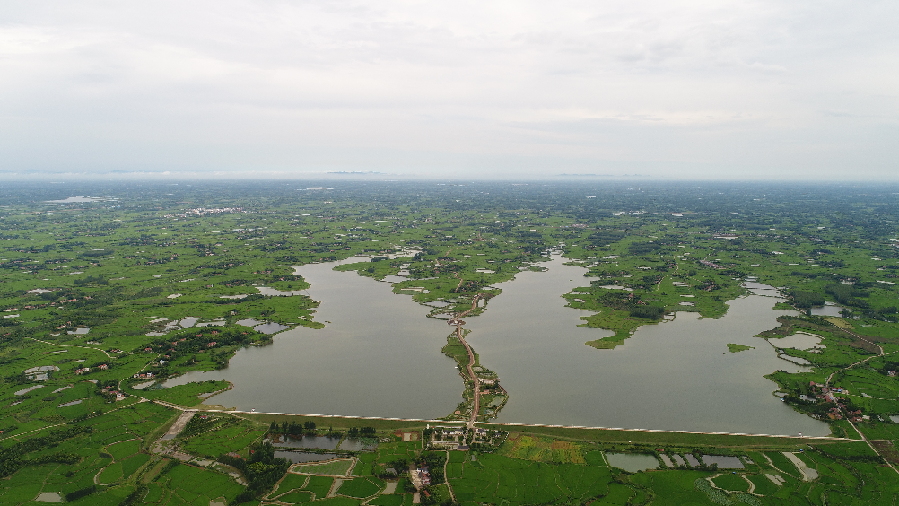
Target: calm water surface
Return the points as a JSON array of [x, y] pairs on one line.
[[676, 375], [632, 462], [379, 356]]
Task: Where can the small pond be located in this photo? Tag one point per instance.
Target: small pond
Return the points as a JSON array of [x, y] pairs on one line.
[[309, 442], [691, 460], [632, 462], [355, 445], [26, 390], [828, 309], [213, 323], [48, 497], [270, 328], [723, 461], [799, 341], [616, 287], [188, 322]]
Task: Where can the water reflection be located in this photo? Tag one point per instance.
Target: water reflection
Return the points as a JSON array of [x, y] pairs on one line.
[[828, 309], [308, 442], [356, 445], [301, 457], [632, 462]]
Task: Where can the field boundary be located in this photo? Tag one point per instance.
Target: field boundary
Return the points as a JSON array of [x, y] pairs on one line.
[[516, 424]]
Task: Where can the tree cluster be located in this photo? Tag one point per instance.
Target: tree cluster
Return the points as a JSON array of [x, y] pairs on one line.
[[262, 469]]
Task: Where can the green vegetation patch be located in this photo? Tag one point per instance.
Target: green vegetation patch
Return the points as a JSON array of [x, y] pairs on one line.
[[543, 449], [335, 467], [211, 435], [198, 486], [319, 485], [522, 481], [360, 487], [290, 482], [731, 482], [124, 448], [387, 500], [296, 497], [188, 395], [129, 270]]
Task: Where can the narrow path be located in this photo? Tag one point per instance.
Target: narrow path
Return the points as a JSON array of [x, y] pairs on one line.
[[850, 366], [751, 485], [119, 384], [72, 346], [334, 486], [476, 403], [179, 425], [842, 409], [15, 436], [808, 474], [446, 477]]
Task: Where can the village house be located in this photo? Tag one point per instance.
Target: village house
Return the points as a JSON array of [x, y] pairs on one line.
[[424, 475]]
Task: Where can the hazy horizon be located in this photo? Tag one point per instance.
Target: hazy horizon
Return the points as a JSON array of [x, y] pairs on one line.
[[657, 90]]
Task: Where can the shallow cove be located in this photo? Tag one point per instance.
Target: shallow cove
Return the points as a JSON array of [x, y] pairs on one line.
[[378, 355], [676, 375]]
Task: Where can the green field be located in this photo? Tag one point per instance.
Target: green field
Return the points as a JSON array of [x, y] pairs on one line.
[[338, 467], [360, 488], [108, 295]]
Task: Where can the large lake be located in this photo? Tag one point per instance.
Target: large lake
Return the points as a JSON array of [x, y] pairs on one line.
[[380, 356]]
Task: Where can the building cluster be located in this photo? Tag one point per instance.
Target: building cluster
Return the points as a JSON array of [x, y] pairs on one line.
[[823, 393], [40, 373], [84, 370], [202, 211], [451, 437], [458, 437], [423, 474], [112, 392]]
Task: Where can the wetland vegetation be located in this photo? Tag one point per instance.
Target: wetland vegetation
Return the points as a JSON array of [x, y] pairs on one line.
[[104, 298]]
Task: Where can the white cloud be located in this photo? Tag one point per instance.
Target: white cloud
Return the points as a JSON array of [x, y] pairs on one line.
[[796, 89]]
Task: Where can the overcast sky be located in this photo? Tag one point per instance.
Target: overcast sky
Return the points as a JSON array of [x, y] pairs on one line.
[[661, 88]]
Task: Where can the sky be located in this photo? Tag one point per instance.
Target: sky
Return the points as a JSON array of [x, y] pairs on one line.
[[664, 89]]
